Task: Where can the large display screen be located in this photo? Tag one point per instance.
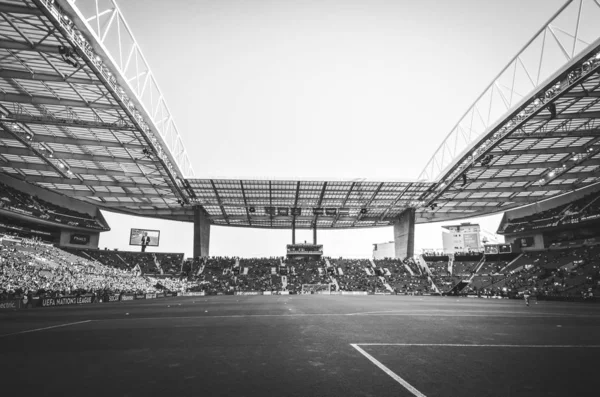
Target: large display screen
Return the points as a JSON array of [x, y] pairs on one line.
[[470, 240], [146, 237]]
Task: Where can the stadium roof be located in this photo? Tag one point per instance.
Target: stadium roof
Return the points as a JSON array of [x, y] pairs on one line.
[[344, 204], [81, 114], [69, 119]]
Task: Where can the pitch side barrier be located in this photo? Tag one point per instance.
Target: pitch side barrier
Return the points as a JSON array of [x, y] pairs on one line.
[[87, 299]]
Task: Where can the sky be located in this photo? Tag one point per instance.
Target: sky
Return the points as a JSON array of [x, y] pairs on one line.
[[338, 89]]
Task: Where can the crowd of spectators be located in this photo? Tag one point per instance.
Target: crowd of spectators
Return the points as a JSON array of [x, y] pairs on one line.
[[578, 209], [561, 273], [30, 268], [356, 275], [148, 262]]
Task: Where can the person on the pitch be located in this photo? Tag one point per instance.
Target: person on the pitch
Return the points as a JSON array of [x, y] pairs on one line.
[[145, 241], [526, 295]]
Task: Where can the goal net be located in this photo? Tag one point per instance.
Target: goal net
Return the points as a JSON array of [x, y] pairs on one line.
[[316, 288]]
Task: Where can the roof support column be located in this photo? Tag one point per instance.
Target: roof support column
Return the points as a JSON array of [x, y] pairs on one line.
[[404, 234], [315, 233], [201, 233], [294, 230]]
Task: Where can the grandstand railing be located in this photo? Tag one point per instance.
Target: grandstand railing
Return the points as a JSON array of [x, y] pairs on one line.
[[570, 32]]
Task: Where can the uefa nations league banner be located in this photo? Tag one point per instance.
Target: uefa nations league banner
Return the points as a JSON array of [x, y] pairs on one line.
[[67, 300], [248, 293]]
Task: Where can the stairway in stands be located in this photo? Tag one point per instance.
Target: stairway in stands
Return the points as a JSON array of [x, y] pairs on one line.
[[423, 264], [334, 281], [385, 284], [477, 267]]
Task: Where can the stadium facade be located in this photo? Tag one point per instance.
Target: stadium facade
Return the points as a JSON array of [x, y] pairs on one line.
[[82, 116]]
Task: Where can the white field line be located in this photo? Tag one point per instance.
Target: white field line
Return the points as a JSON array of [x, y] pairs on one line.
[[471, 313], [389, 372], [479, 345], [209, 316], [42, 329]]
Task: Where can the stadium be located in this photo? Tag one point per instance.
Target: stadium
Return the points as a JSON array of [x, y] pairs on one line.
[[87, 138]]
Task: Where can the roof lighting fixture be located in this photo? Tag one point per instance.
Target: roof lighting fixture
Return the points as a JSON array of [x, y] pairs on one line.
[[597, 57], [551, 174], [61, 165]]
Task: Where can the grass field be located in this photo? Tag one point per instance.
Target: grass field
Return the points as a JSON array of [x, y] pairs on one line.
[[303, 345]]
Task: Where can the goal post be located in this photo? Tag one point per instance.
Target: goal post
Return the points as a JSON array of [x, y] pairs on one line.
[[316, 288]]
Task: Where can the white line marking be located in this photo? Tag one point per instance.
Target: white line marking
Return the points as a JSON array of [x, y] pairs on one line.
[[42, 329], [467, 313], [512, 316], [385, 369], [476, 345]]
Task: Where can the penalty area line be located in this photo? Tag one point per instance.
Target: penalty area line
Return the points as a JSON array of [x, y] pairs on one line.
[[389, 372], [45, 328], [479, 345]]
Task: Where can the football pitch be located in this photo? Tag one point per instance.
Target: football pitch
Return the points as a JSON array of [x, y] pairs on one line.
[[303, 345]]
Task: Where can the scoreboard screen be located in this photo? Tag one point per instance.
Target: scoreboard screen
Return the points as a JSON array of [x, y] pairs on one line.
[[136, 236]]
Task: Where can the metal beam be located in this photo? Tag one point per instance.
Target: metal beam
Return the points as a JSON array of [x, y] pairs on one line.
[[578, 115], [555, 134], [245, 202], [186, 212], [89, 193], [533, 178], [396, 200], [27, 75], [581, 94], [219, 201], [77, 182], [514, 189], [9, 8], [337, 218], [319, 202], [508, 199], [368, 203], [76, 156], [21, 46], [135, 204], [551, 150], [78, 142], [75, 170], [45, 100], [541, 164], [22, 118]]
